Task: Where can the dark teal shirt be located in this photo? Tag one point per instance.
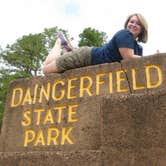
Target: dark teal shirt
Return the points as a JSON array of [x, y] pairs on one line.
[[110, 51]]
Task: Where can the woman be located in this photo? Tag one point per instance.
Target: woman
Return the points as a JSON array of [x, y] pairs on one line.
[[123, 45]]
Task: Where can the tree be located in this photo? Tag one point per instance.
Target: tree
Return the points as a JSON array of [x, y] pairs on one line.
[[5, 79], [25, 55], [92, 37]]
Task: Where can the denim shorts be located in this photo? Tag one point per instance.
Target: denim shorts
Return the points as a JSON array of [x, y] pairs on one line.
[[77, 58]]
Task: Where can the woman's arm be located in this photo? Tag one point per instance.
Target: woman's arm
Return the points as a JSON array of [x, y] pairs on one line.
[[128, 53]]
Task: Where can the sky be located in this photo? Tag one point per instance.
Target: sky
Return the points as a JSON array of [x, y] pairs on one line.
[[22, 17]]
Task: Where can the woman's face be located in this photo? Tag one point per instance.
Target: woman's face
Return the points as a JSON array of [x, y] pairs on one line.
[[134, 26]]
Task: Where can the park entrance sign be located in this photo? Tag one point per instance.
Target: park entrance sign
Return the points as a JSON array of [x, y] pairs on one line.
[[109, 114]]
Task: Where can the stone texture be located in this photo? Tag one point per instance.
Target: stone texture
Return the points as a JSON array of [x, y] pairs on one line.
[[134, 132], [92, 158], [134, 121], [109, 114], [85, 135]]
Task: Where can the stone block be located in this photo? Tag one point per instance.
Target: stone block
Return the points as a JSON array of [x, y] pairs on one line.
[[109, 114]]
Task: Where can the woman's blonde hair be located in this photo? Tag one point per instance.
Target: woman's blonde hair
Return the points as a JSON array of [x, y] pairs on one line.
[[143, 36]]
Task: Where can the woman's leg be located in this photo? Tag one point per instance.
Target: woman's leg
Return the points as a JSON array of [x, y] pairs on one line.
[[50, 62], [50, 68], [56, 51], [77, 58]]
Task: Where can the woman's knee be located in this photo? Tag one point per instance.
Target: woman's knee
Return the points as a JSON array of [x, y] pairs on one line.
[[44, 69], [49, 68]]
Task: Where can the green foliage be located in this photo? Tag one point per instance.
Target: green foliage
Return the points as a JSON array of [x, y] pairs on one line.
[[92, 37], [25, 56], [5, 78]]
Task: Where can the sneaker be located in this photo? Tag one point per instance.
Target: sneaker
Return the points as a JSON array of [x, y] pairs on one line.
[[64, 43]]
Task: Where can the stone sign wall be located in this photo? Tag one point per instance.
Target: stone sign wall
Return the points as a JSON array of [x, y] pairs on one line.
[[103, 115]]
